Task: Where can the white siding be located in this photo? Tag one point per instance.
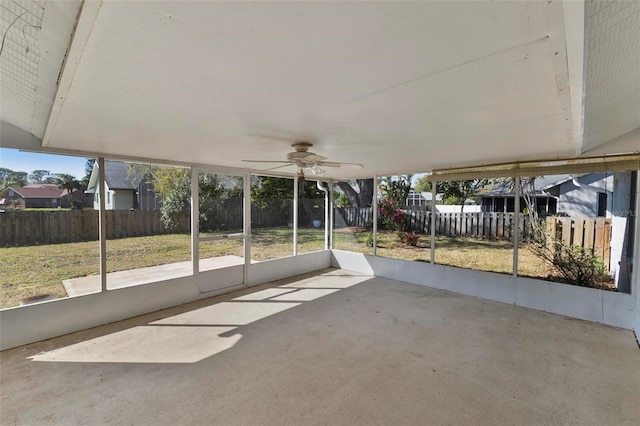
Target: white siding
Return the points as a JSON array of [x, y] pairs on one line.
[[579, 198]]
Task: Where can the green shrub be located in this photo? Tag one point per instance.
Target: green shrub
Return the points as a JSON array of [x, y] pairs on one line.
[[76, 205], [576, 265], [410, 239], [369, 240]]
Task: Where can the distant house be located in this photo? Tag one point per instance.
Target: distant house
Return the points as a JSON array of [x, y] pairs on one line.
[[420, 199], [41, 196], [36, 196], [125, 188], [500, 197], [586, 195]]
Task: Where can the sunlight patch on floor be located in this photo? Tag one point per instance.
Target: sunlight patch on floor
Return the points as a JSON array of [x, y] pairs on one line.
[[148, 344]]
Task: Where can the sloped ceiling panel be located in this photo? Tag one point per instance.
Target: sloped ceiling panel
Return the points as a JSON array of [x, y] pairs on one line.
[[35, 37], [612, 89]]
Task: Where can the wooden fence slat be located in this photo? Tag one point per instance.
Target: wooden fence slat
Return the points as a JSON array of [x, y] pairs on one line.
[[566, 229], [599, 235], [578, 232], [606, 248], [589, 233]]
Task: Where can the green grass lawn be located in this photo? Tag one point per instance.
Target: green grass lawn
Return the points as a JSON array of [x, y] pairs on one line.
[[28, 271], [470, 253]]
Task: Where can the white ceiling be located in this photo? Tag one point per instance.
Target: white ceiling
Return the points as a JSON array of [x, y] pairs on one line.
[[33, 48], [612, 104], [397, 86]]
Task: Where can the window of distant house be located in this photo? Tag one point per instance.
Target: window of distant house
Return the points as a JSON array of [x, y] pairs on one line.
[[602, 204], [108, 198], [54, 201], [10, 193]]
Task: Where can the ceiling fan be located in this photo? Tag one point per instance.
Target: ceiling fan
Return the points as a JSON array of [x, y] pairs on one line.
[[304, 159]]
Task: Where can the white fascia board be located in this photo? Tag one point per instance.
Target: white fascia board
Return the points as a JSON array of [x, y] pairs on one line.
[[84, 26], [574, 17], [565, 25], [58, 23]]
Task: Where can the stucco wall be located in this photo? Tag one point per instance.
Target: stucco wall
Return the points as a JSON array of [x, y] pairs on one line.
[[582, 200]]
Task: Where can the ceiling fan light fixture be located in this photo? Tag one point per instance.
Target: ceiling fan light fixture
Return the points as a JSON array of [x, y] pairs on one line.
[[316, 170]]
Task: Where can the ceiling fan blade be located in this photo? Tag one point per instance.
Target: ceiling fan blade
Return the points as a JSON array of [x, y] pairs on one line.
[[344, 165], [278, 167], [267, 161]]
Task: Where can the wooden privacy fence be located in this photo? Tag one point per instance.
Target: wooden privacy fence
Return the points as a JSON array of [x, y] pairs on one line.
[[487, 226], [353, 216], [587, 232], [494, 226], [24, 228]]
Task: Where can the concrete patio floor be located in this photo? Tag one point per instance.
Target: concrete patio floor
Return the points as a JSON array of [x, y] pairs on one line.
[[332, 347], [120, 279]]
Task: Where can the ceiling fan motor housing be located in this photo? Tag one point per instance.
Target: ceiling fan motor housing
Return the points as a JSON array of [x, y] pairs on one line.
[[302, 157]]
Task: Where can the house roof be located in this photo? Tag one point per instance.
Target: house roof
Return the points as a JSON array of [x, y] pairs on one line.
[[120, 175], [39, 191], [504, 188]]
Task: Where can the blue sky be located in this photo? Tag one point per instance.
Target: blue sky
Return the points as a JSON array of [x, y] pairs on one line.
[[19, 161]]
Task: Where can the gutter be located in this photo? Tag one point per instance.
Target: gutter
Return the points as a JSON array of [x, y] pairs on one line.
[[326, 213]]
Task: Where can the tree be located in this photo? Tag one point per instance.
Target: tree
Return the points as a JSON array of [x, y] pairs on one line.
[[88, 169], [5, 173], [39, 176], [173, 187], [341, 200], [272, 192], [277, 194], [391, 215], [68, 182], [396, 189], [9, 178], [363, 197], [423, 184], [458, 191]]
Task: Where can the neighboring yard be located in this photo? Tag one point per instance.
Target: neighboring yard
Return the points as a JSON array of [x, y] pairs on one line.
[[32, 270], [471, 253], [27, 271]]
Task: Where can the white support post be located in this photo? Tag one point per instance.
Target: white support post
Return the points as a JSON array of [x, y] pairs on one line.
[[246, 226], [433, 222], [635, 273], [195, 223], [325, 191], [516, 226], [331, 214], [374, 206], [295, 215], [102, 223], [327, 228]]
